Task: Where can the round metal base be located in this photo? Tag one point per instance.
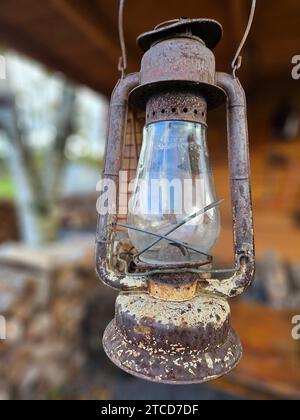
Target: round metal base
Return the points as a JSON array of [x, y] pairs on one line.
[[180, 367]]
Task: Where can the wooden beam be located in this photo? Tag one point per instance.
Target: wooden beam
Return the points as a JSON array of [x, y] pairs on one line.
[[77, 16], [19, 40]]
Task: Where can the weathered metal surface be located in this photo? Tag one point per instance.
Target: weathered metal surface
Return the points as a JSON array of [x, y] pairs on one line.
[[172, 342], [176, 59], [175, 327], [176, 105], [241, 198], [200, 323], [209, 30], [113, 156], [173, 287], [180, 61]]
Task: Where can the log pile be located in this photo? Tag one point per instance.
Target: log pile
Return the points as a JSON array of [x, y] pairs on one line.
[[56, 312], [278, 282], [53, 326], [8, 222], [78, 212]]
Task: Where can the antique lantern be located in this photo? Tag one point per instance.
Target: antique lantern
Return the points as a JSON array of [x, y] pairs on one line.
[[172, 322]]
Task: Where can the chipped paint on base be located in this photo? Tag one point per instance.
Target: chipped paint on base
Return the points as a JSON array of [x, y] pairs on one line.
[[202, 309], [187, 367]]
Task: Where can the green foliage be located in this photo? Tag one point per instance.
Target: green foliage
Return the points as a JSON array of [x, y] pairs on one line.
[[7, 188]]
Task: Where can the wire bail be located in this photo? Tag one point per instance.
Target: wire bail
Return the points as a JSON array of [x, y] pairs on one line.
[[122, 67], [237, 61]]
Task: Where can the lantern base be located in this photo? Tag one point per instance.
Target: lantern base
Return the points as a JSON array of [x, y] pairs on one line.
[[169, 367]]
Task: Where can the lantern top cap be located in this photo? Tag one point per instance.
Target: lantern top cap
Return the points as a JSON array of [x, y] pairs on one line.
[[209, 30]]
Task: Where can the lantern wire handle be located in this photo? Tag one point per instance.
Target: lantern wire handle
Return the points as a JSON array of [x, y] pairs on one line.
[[123, 59], [166, 236], [180, 244], [237, 61]]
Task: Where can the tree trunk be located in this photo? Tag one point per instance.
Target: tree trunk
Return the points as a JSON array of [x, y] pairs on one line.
[[28, 222], [38, 191]]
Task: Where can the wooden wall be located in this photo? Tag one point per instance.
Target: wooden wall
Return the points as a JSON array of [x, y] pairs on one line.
[[276, 189]]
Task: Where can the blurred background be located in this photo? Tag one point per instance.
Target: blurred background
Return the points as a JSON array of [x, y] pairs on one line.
[[58, 65]]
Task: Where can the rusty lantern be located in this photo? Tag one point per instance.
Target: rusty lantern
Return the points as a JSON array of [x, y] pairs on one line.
[[172, 322]]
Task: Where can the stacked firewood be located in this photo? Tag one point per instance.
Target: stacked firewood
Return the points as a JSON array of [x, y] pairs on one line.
[[53, 325], [78, 212], [56, 311], [8, 222], [278, 281]]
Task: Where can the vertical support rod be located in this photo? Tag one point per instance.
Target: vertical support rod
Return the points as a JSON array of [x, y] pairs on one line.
[[239, 164], [118, 113]]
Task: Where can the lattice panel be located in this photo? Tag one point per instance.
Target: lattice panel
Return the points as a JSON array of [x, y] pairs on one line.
[[131, 153]]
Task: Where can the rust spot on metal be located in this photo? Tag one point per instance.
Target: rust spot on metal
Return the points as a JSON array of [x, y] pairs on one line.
[[142, 330], [173, 105], [172, 287]]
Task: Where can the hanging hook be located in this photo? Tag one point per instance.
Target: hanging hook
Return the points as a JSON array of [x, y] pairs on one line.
[[237, 61], [123, 59]]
